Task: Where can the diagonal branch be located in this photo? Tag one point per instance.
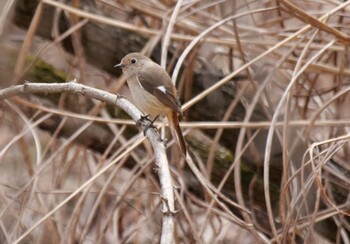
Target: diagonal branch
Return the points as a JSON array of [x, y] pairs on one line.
[[167, 193]]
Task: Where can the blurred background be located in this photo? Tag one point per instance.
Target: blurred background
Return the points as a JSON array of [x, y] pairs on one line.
[[264, 87]]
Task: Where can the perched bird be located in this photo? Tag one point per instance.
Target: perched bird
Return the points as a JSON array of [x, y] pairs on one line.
[[153, 91]]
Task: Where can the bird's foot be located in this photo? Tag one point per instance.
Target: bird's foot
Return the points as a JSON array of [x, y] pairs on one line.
[[149, 125]]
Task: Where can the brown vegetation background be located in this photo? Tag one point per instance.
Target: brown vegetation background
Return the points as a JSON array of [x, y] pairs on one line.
[[264, 87]]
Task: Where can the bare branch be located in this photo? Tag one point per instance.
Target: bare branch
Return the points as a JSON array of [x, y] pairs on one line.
[[167, 193]]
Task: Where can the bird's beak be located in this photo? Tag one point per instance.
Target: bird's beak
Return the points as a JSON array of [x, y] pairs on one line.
[[119, 66]]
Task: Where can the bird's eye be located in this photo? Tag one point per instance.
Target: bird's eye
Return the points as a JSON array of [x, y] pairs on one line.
[[133, 61]]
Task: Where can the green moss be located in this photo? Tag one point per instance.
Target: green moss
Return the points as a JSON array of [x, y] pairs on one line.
[[45, 72]]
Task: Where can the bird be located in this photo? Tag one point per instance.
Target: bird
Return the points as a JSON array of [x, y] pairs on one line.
[[153, 92]]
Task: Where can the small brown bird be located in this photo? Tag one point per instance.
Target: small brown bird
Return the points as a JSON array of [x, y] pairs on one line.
[[153, 91]]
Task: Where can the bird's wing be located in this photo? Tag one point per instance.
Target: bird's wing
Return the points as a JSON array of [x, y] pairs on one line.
[[157, 82]]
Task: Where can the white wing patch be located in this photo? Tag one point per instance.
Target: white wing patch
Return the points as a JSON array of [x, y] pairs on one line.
[[162, 88]]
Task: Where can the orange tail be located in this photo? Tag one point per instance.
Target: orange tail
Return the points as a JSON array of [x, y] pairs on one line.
[[173, 120]]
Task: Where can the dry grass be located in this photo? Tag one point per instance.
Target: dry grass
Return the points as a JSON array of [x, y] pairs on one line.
[[288, 181]]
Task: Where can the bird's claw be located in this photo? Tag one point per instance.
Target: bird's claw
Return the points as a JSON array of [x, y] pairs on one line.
[[149, 125]]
